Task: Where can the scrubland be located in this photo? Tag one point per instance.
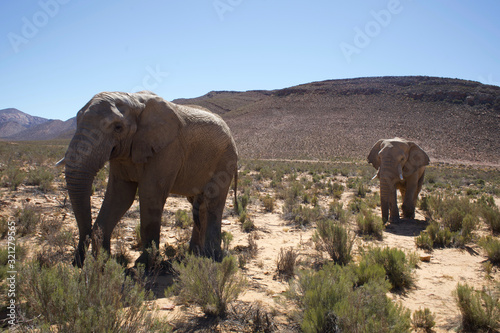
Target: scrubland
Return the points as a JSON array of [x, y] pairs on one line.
[[305, 251]]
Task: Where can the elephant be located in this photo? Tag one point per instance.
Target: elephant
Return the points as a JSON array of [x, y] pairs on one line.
[[400, 165], [154, 148]]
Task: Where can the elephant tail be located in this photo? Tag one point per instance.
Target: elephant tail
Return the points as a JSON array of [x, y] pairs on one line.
[[236, 209]]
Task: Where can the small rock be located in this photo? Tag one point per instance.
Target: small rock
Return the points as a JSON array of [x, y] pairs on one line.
[[168, 307]]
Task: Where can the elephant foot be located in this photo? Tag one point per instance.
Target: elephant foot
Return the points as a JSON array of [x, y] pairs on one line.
[[78, 259]]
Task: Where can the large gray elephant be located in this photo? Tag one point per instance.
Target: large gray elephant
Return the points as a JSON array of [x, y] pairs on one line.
[[154, 148], [400, 165]]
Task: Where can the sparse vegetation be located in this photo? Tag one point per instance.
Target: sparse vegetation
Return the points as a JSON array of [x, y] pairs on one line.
[[492, 247], [480, 310], [423, 320], [399, 268], [286, 262], [369, 224], [333, 300], [209, 284], [96, 298], [335, 239], [334, 201]]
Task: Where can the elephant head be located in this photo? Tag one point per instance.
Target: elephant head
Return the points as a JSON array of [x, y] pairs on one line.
[[400, 165], [112, 125]]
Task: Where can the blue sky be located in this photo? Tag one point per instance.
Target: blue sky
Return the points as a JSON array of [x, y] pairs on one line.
[[56, 54]]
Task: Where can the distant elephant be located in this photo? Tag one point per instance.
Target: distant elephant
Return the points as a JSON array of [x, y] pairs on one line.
[[400, 165], [154, 148]]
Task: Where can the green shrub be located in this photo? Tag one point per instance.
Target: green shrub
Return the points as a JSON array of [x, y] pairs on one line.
[[398, 268], [492, 248], [480, 310], [183, 219], [268, 203], [27, 219], [96, 298], [424, 241], [41, 177], [248, 224], [356, 205], [227, 238], [491, 215], [13, 177], [209, 284], [335, 190], [331, 300], [335, 239], [423, 320], [338, 212], [370, 224]]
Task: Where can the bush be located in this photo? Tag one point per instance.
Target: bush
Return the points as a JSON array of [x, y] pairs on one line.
[[480, 310], [41, 177], [335, 240], [183, 219], [491, 215], [369, 224], [424, 241], [492, 248], [97, 298], [286, 262], [331, 300], [13, 177], [27, 219], [398, 269], [268, 203], [209, 284], [423, 320], [338, 212]]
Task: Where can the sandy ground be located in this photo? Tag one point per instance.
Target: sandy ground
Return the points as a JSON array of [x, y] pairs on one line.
[[436, 279]]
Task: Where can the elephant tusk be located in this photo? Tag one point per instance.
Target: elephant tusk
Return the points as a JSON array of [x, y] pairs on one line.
[[376, 174], [62, 162], [400, 171]]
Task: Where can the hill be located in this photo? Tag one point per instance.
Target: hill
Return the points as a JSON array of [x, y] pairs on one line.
[[13, 121], [453, 120]]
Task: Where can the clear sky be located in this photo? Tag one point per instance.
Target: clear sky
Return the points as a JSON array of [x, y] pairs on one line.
[[56, 54]]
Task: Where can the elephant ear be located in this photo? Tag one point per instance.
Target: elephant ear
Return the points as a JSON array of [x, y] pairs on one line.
[[373, 157], [158, 126], [417, 158]]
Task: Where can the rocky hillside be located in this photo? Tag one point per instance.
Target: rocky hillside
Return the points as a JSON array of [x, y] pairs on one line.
[[453, 120], [13, 121]]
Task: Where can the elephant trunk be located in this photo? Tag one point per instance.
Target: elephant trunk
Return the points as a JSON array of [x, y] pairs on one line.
[[82, 164]]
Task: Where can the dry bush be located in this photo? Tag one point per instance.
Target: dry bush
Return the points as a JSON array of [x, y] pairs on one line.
[[286, 262]]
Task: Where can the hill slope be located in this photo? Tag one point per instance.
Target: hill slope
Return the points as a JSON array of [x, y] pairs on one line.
[[13, 121], [451, 119]]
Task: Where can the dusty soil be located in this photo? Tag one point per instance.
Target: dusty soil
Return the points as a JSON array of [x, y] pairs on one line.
[[436, 279]]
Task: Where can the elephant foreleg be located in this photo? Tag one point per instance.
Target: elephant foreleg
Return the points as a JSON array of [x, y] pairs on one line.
[[119, 197]]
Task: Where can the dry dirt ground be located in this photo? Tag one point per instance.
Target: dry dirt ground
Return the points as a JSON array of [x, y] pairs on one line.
[[435, 279]]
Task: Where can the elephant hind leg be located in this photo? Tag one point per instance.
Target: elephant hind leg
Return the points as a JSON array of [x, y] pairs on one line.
[[199, 226]]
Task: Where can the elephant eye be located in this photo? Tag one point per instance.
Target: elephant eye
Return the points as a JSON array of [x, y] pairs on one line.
[[118, 128]]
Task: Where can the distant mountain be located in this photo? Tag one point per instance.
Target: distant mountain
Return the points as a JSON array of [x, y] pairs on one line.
[[52, 129], [453, 120], [13, 121]]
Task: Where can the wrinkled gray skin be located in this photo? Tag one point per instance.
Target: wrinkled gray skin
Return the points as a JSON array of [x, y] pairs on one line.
[[400, 165], [154, 148]]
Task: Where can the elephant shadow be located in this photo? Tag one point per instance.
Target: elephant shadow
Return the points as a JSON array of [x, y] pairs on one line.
[[406, 227], [156, 279]]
